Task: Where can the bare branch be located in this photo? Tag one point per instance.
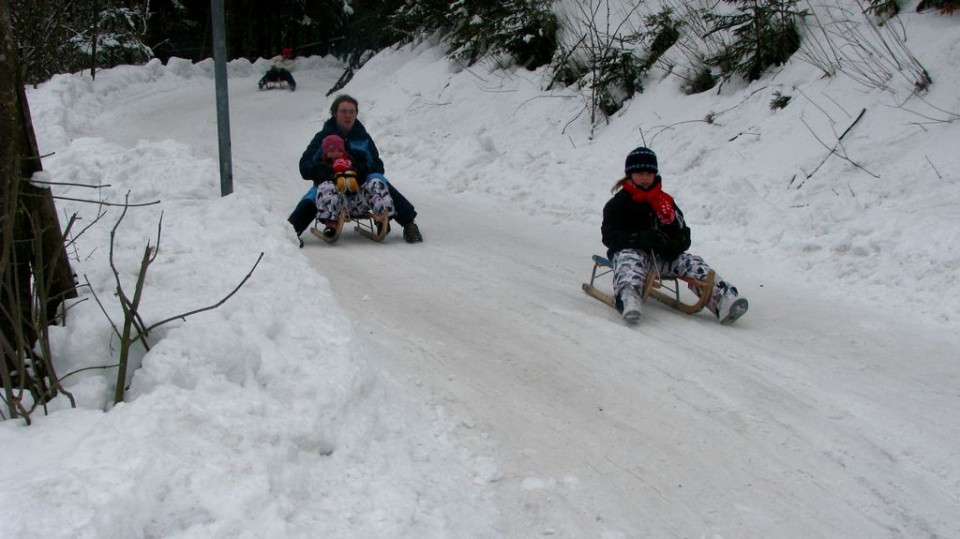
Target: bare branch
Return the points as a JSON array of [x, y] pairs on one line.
[[833, 149], [102, 203], [102, 308], [933, 167], [215, 305], [98, 367], [86, 185]]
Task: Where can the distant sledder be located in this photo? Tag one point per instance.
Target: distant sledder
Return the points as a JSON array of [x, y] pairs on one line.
[[279, 75], [646, 239]]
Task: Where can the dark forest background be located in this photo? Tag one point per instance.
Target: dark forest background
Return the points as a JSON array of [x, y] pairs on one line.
[[61, 36]]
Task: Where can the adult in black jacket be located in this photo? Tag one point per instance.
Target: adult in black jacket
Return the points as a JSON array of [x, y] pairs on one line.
[[343, 122], [644, 228]]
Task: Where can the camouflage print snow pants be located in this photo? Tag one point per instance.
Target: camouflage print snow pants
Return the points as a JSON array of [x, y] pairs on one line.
[[374, 197], [630, 267]]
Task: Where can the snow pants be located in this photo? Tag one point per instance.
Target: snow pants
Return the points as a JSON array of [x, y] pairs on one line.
[[373, 197], [306, 211], [630, 268]]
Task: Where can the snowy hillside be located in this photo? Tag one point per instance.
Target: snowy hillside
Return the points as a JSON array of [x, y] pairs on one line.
[[465, 386]]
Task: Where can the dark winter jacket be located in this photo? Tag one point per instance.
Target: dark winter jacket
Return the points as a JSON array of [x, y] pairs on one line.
[[359, 145], [631, 224]]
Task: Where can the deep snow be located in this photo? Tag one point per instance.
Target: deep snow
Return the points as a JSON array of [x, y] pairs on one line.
[[466, 387]]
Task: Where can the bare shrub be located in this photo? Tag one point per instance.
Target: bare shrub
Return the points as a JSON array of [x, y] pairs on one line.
[[873, 55]]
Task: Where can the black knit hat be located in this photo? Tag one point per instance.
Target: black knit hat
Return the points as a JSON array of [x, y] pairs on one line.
[[641, 159]]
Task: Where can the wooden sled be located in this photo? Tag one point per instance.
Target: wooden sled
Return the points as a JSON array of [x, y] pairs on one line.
[[666, 290], [372, 226], [273, 84]]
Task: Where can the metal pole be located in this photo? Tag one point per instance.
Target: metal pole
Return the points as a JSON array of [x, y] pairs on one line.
[[96, 30], [223, 102]]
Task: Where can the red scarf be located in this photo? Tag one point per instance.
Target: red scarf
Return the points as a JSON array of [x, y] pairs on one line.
[[660, 202]]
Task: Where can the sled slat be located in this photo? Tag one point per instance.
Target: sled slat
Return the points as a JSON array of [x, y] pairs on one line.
[[602, 296], [706, 289], [601, 261]]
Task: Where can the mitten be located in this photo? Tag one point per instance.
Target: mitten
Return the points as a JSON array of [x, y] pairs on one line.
[[321, 172], [342, 165], [646, 239], [659, 240], [347, 182], [631, 240]]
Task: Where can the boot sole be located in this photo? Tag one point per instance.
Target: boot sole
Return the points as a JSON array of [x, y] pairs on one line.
[[738, 309]]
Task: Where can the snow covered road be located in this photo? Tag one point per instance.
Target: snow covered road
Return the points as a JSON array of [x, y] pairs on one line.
[[810, 417]]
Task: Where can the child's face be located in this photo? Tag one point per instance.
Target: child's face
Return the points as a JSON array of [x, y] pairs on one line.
[[334, 154], [643, 179]]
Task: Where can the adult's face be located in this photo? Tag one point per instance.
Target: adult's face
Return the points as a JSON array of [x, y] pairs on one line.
[[346, 115]]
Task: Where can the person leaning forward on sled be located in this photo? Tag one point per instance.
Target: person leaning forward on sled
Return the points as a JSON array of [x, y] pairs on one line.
[[346, 185], [343, 122], [281, 67], [643, 229]]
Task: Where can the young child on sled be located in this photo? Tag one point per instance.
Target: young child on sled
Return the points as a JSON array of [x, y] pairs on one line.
[[346, 182], [643, 230]]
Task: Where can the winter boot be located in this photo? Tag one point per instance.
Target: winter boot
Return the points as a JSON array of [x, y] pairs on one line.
[[730, 308], [632, 305], [411, 233], [330, 230]]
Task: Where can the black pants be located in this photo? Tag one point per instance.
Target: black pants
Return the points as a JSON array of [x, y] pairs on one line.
[[276, 74], [306, 211]]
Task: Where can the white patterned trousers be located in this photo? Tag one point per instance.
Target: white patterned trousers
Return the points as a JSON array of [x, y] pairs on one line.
[[630, 268], [373, 197]]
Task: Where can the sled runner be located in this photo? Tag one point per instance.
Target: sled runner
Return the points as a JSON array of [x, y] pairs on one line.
[[319, 227], [373, 226], [272, 84], [664, 289]]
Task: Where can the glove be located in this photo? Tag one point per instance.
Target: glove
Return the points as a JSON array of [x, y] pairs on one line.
[[646, 239], [342, 165], [347, 182], [321, 171], [659, 240]]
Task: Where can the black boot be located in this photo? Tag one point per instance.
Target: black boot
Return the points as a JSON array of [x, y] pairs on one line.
[[411, 233]]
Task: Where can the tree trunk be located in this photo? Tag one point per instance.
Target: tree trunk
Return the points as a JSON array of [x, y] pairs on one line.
[[32, 255]]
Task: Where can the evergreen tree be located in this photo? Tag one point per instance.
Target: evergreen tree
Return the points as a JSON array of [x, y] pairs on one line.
[[526, 30], [765, 34], [53, 36]]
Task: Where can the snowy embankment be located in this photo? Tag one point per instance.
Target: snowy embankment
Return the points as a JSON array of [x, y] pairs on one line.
[[261, 418]]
